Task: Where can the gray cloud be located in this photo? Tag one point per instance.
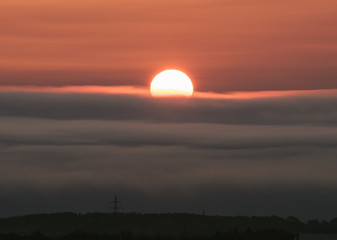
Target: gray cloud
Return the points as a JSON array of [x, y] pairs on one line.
[[164, 166], [319, 110], [27, 131], [84, 178], [73, 152]]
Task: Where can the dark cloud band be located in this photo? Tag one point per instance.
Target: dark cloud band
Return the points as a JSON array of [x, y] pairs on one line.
[[317, 110]]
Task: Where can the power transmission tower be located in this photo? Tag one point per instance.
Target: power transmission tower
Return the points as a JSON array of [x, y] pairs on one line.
[[116, 205]]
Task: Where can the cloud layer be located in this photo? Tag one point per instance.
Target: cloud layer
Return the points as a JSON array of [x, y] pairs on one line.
[[259, 156], [317, 108]]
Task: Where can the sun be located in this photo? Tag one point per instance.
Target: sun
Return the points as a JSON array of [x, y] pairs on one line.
[[171, 83]]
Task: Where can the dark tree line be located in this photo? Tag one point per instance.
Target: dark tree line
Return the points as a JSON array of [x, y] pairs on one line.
[[62, 224], [231, 235]]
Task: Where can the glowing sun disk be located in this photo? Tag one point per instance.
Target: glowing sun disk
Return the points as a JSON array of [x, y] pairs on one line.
[[171, 83]]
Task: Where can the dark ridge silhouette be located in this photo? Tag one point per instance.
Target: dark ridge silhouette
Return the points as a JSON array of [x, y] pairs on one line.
[[174, 225], [232, 235]]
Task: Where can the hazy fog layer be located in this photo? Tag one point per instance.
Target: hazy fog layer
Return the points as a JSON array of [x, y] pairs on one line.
[[73, 152]]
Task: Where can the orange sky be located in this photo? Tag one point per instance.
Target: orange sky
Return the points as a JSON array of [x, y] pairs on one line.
[[227, 45]]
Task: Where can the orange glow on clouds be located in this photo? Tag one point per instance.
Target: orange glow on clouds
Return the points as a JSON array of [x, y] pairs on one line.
[[123, 90], [144, 92]]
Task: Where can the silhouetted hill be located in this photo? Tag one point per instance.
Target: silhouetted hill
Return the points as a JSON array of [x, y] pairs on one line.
[[61, 224], [233, 235]]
